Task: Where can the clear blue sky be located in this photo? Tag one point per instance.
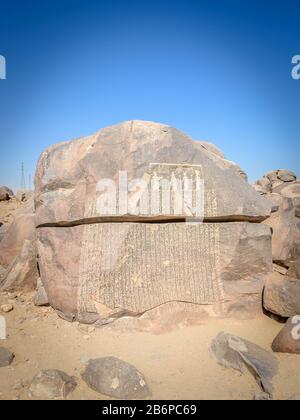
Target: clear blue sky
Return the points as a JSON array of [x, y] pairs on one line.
[[220, 70]]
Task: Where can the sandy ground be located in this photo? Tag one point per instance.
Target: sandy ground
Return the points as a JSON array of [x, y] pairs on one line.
[[177, 365]]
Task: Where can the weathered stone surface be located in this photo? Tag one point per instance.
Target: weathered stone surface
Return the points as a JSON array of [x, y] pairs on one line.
[[288, 340], [51, 384], [213, 149], [282, 295], [6, 357], [67, 173], [5, 194], [286, 231], [286, 176], [273, 180], [242, 355], [21, 229], [115, 378], [3, 230], [115, 269], [294, 269], [22, 274], [41, 298]]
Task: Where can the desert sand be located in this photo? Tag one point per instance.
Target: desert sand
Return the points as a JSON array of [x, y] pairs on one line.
[[177, 364]]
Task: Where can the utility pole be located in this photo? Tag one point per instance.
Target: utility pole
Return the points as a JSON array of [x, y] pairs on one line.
[[23, 183]]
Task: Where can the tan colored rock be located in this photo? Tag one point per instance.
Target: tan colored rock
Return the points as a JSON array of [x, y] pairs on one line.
[[291, 190], [288, 340], [5, 194], [21, 229], [286, 231], [108, 270], [7, 307], [51, 384], [67, 173], [115, 378], [282, 295], [279, 269], [22, 274]]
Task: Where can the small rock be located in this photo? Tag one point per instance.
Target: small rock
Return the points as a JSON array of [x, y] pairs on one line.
[[18, 386], [84, 360], [6, 357], [262, 396], [240, 354], [115, 378], [41, 298], [288, 340], [51, 384], [13, 295], [279, 269], [7, 307]]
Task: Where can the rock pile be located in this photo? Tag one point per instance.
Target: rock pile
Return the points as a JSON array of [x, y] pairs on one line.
[[282, 290]]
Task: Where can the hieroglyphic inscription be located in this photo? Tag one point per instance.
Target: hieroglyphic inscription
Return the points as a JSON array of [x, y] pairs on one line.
[[136, 266]]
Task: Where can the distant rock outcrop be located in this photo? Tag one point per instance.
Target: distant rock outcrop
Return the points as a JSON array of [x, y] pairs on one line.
[[286, 231], [282, 291], [5, 194]]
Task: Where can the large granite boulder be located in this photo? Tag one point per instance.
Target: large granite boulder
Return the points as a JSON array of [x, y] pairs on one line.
[[97, 266], [67, 174], [106, 270], [21, 229]]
